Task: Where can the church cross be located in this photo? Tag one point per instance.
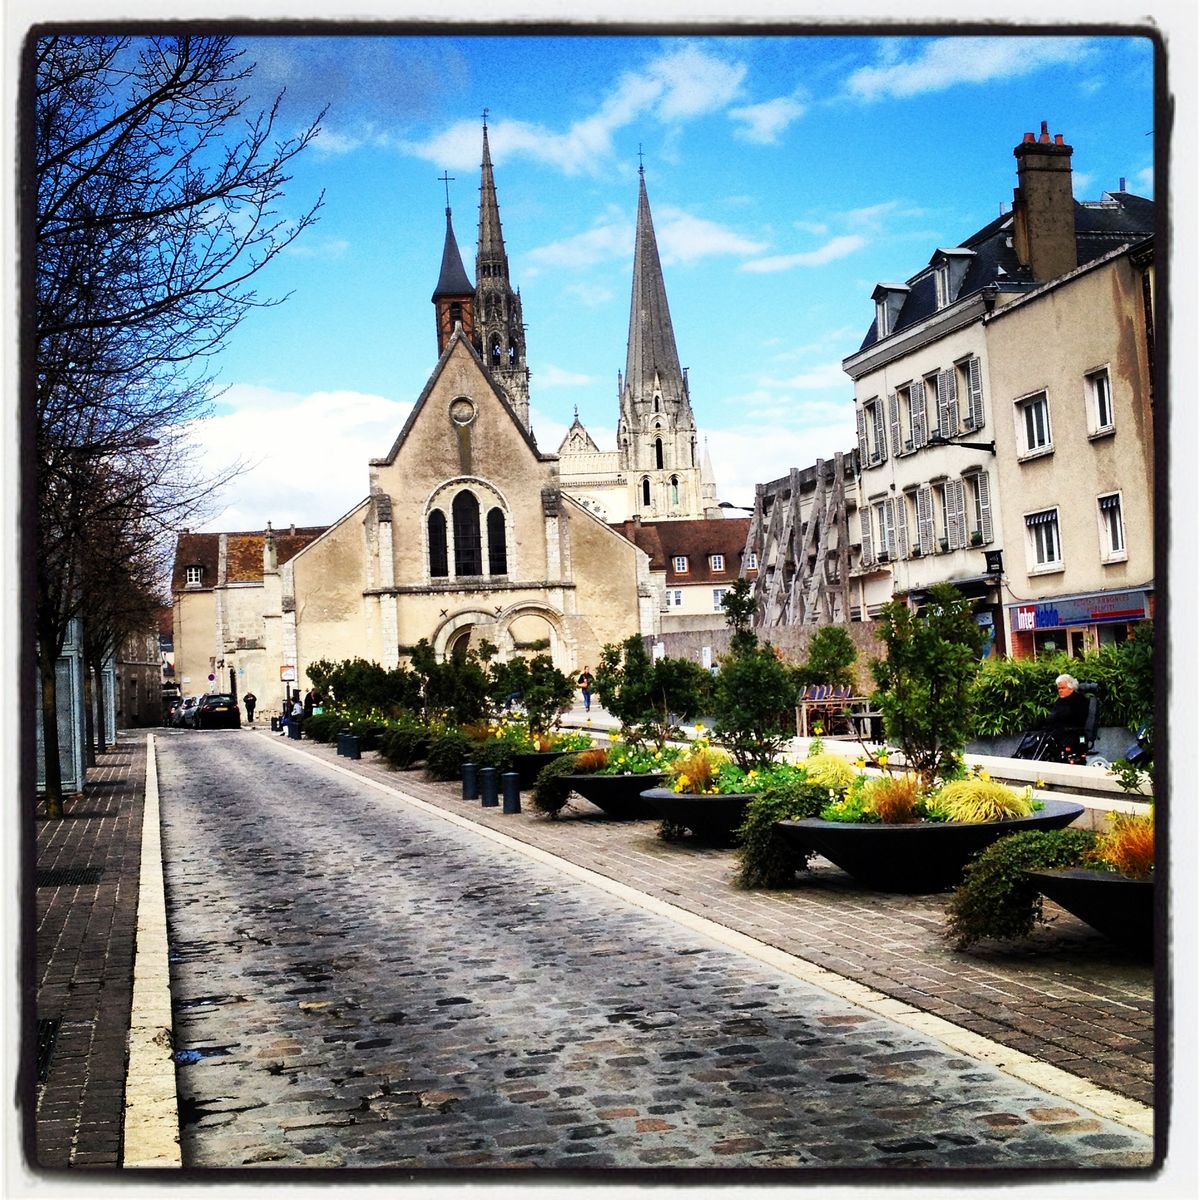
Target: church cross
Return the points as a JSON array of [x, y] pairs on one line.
[[447, 179]]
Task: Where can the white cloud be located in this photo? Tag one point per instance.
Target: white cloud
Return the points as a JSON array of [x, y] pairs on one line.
[[556, 377], [766, 121], [834, 249], [685, 238], [610, 239], [294, 474], [694, 82], [945, 62], [590, 295], [824, 375]]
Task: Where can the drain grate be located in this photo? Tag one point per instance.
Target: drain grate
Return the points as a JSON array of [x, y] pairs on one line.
[[47, 1035], [69, 875]]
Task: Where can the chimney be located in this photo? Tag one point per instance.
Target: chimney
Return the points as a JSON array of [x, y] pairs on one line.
[[270, 557], [1043, 207], [1121, 188]]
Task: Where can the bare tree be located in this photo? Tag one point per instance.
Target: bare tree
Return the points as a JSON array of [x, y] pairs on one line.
[[156, 201]]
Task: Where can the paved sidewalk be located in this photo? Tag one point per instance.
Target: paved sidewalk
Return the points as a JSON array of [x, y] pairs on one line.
[[86, 881], [1067, 997]]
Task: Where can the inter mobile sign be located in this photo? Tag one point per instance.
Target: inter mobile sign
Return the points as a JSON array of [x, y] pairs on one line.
[[1080, 610]]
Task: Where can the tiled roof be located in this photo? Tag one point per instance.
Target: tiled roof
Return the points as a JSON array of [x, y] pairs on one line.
[[1120, 219], [243, 554], [697, 541]]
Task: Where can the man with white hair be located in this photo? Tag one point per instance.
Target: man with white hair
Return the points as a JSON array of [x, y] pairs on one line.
[[1070, 710]]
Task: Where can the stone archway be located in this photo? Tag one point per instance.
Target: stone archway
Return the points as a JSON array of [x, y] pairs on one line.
[[525, 626]]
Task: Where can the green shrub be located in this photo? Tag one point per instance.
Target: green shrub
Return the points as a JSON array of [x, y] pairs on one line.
[[831, 657], [996, 900], [325, 726], [551, 790], [765, 858], [447, 753], [495, 752], [405, 745]]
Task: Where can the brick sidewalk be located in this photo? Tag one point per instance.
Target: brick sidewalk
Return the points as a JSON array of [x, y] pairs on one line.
[[86, 912], [1066, 996]]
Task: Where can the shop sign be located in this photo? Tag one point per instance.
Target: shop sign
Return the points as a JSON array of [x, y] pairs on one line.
[[1080, 610]]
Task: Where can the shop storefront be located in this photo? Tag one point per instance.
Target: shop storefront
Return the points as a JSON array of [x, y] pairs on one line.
[[1075, 625]]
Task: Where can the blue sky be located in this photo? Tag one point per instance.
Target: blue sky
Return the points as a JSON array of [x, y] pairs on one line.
[[787, 176]]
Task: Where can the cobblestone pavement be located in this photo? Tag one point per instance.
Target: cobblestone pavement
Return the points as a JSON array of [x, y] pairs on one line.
[[359, 983], [86, 912]]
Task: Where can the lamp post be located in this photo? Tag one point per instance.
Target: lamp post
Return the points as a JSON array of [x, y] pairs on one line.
[[726, 504]]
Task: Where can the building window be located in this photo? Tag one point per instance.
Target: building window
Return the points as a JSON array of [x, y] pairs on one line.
[[1100, 402], [1033, 420], [193, 576], [872, 433], [1112, 529], [979, 508], [675, 489], [646, 493], [439, 566], [1045, 546], [941, 284], [675, 599], [468, 546], [658, 454], [716, 562], [752, 561], [718, 597], [497, 543], [681, 564], [881, 319], [969, 383]]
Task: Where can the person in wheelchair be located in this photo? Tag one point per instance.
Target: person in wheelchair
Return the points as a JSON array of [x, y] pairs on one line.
[[1064, 735]]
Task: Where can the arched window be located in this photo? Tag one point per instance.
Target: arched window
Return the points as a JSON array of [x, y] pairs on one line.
[[656, 407], [646, 493], [497, 545], [658, 453], [438, 566], [495, 350], [456, 313], [674, 489], [468, 552]]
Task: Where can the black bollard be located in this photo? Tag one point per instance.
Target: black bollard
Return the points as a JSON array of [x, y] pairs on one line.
[[470, 781], [353, 746], [488, 782], [511, 786], [341, 742]]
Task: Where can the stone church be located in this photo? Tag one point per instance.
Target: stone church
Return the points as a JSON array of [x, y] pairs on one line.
[[469, 532]]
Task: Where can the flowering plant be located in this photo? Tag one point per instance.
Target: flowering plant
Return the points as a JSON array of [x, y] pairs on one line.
[[628, 758]]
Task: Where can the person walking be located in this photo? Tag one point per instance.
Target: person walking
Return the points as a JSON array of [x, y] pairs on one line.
[[250, 700], [585, 686]]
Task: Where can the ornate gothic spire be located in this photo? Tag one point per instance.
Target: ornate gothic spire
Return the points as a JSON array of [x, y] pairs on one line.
[[501, 331]]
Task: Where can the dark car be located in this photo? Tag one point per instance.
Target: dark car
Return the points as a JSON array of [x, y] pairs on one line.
[[182, 718], [217, 710]]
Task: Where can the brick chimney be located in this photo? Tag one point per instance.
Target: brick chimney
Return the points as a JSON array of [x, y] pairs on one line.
[[1044, 207]]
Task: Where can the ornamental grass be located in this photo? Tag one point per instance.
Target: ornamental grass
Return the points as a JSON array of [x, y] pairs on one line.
[[1128, 847]]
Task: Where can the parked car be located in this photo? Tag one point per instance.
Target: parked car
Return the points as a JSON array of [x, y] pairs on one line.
[[185, 713], [217, 710]]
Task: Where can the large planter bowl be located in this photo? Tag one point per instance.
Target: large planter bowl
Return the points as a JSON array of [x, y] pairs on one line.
[[620, 796], [927, 856], [1121, 909], [713, 819], [528, 766]]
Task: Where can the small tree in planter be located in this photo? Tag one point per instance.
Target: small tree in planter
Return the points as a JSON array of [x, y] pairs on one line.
[[831, 657], [926, 680], [650, 699], [546, 693]]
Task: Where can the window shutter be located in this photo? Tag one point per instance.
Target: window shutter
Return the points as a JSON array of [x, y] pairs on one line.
[[920, 425], [947, 386], [956, 502], [868, 551], [881, 442], [894, 420], [974, 394], [902, 526], [889, 528], [985, 504], [860, 419], [925, 520]]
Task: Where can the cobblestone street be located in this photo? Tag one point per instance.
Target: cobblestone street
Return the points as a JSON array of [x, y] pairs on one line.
[[358, 982]]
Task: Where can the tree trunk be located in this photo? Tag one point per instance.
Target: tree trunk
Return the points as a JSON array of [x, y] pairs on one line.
[[50, 747], [89, 721]]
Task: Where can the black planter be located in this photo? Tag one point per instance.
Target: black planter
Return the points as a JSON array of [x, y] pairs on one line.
[[620, 796], [713, 819], [528, 766], [927, 856], [1121, 909]]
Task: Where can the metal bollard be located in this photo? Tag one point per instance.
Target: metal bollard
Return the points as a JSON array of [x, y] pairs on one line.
[[341, 742], [511, 786], [488, 782], [353, 746], [470, 781]]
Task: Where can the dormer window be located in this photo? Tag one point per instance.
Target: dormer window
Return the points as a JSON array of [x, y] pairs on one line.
[[681, 564], [716, 562], [881, 319], [941, 284], [889, 300], [193, 576], [949, 270]]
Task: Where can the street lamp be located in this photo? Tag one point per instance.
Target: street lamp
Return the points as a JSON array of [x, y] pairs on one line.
[[937, 439], [99, 449], [726, 504]]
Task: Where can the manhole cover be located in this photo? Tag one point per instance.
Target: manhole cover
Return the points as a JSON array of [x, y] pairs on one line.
[[69, 875]]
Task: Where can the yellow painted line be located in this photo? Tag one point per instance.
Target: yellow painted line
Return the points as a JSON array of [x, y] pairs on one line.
[[1108, 1105], [151, 1104]]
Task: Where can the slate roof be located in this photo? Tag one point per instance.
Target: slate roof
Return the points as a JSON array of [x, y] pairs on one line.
[[453, 280], [1120, 219], [697, 541], [243, 554]]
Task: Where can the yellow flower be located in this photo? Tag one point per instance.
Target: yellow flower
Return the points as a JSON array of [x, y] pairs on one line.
[[883, 760], [751, 773], [699, 726], [984, 776], [860, 762], [1039, 783]]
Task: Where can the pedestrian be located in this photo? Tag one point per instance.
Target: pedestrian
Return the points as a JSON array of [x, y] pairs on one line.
[[585, 686], [310, 701], [250, 700], [296, 716]]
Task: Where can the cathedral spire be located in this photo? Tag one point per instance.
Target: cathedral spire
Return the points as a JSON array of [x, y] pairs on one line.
[[651, 353], [501, 330]]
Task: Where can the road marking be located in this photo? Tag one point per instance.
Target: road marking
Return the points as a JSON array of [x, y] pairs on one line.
[[1108, 1105], [151, 1105]]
